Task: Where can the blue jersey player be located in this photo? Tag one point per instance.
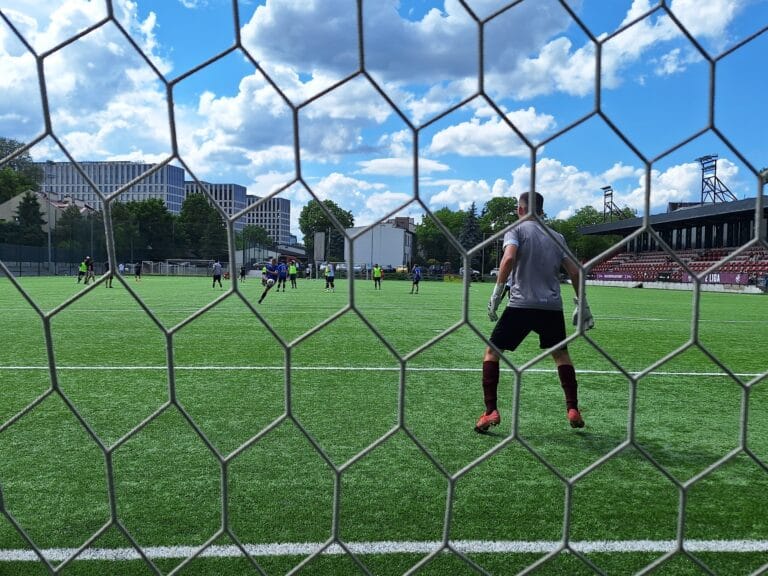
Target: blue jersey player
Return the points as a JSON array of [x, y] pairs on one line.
[[416, 276], [271, 274], [282, 275]]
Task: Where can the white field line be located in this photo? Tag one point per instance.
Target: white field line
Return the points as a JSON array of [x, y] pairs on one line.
[[390, 547], [225, 368]]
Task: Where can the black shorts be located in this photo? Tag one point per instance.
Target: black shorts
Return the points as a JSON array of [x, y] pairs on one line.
[[516, 323]]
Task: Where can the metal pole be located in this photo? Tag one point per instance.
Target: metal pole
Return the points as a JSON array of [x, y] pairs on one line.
[[50, 259], [482, 259]]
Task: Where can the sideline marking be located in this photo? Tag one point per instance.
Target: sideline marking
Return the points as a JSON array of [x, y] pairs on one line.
[[389, 547]]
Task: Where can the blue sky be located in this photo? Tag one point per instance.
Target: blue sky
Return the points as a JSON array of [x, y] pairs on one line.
[[234, 121]]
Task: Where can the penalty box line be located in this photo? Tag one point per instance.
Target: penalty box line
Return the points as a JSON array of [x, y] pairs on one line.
[[390, 547], [364, 368]]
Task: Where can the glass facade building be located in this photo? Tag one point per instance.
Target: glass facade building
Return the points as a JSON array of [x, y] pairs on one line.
[[165, 183]]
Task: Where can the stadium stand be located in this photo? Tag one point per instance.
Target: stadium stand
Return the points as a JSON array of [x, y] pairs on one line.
[[659, 266]]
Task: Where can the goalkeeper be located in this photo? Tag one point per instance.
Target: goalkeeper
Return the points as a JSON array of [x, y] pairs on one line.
[[531, 264]]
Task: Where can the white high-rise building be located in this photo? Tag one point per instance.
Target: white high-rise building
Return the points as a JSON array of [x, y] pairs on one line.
[[64, 180], [274, 215]]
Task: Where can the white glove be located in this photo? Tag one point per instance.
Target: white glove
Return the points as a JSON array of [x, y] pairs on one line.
[[493, 303], [587, 320]]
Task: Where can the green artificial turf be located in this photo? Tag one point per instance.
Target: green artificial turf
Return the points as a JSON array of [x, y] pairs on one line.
[[351, 414]]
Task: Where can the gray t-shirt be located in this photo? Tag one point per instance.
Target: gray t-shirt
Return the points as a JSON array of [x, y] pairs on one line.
[[216, 269], [535, 279]]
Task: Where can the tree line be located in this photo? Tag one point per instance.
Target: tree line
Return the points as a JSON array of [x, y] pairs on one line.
[[469, 227]]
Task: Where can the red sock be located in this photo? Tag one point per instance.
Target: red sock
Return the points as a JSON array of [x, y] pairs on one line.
[[568, 381], [490, 384]]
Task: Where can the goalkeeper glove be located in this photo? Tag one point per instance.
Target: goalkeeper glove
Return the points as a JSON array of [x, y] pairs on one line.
[[493, 303], [586, 320]]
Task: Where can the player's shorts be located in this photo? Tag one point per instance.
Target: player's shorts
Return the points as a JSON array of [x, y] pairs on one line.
[[217, 277], [516, 323], [416, 280]]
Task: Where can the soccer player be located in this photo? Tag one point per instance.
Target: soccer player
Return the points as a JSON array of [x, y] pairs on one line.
[[108, 281], [330, 275], [534, 259], [217, 274], [377, 273], [282, 275], [242, 273], [81, 270], [416, 276], [137, 272], [292, 272], [90, 273], [271, 278]]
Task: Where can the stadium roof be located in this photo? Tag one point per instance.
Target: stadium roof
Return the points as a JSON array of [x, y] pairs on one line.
[[702, 214]]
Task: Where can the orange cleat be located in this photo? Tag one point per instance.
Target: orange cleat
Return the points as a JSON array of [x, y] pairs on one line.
[[575, 419], [486, 421]]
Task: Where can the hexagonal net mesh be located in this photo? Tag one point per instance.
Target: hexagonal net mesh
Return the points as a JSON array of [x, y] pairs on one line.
[[464, 551]]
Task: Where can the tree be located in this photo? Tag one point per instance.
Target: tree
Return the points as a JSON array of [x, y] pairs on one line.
[[587, 247], [18, 175], [69, 227], [471, 235], [29, 220], [253, 235], [203, 227], [157, 227], [497, 214], [431, 243], [314, 219]]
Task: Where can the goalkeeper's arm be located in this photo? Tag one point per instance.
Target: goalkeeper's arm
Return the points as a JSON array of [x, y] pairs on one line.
[[505, 269], [574, 272]]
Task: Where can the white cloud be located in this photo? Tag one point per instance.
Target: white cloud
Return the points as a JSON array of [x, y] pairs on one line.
[[676, 183], [708, 19], [368, 201], [558, 66], [493, 137], [99, 88], [675, 61], [193, 4], [462, 194], [402, 166], [554, 69], [343, 189], [378, 205]]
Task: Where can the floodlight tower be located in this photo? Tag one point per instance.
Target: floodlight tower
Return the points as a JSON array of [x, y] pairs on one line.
[[609, 208], [712, 188]]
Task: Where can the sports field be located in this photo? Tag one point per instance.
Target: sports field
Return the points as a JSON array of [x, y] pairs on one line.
[[274, 433]]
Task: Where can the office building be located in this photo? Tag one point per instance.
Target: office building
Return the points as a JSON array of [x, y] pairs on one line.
[[274, 215], [231, 198], [63, 180]]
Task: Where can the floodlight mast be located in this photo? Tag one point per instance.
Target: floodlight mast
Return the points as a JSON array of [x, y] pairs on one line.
[[609, 208], [712, 188]]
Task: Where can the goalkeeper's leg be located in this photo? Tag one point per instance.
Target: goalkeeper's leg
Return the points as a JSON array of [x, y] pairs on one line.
[[490, 387], [567, 375]]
